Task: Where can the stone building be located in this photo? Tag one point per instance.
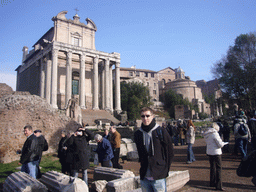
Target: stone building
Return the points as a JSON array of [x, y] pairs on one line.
[[65, 63], [148, 77], [188, 89]]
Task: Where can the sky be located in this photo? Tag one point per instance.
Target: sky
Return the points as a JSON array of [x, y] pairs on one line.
[[150, 34]]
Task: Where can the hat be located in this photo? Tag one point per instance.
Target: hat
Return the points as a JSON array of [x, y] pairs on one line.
[[36, 131]]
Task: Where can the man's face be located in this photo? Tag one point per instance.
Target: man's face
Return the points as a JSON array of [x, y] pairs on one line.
[[27, 132], [146, 117]]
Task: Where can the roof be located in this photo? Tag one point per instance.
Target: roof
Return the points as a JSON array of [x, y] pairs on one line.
[[136, 69]]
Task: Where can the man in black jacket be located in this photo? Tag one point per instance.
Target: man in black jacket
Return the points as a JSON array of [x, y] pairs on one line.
[[155, 150], [30, 153]]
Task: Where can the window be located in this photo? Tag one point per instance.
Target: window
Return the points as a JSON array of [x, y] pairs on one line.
[[75, 86], [76, 41], [148, 84], [154, 92], [146, 74], [154, 85], [130, 73], [152, 75], [137, 73]]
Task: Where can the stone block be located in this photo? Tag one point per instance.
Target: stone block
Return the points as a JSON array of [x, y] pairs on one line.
[[123, 150], [123, 184], [59, 182], [131, 147], [177, 179], [127, 140], [99, 185], [22, 182], [132, 155], [109, 174]]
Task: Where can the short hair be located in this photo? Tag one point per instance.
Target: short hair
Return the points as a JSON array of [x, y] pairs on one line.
[[37, 131], [97, 137], [29, 127], [147, 109]]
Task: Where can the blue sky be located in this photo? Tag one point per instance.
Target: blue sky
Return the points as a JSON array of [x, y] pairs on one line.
[[152, 34]]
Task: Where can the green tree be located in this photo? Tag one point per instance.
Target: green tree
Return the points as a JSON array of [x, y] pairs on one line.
[[237, 70], [134, 96], [171, 98]]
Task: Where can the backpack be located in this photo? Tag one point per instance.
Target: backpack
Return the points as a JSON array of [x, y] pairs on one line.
[[242, 130]]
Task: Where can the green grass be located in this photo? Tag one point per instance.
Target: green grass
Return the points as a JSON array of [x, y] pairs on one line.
[[49, 162], [201, 123]]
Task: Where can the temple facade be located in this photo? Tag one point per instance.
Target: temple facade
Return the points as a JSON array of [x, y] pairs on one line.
[[65, 64]]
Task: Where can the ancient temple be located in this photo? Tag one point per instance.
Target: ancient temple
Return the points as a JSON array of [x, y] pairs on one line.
[[64, 63]]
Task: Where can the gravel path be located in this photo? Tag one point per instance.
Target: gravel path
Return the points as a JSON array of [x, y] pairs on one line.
[[200, 169]]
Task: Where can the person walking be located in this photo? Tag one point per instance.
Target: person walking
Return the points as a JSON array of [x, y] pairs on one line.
[[191, 136], [104, 151], [30, 153], [213, 150], [242, 136], [79, 142], [115, 141], [252, 127], [155, 150]]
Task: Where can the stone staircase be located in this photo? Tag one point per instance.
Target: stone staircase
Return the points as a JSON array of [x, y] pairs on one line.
[[89, 116]]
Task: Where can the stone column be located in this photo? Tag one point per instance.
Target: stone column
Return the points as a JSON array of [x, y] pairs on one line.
[[42, 78], [107, 101], [48, 79], [82, 81], [68, 91], [117, 89], [95, 84], [54, 77], [111, 88], [103, 88]]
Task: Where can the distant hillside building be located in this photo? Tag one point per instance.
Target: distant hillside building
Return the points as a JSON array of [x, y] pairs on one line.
[[65, 63], [188, 89]]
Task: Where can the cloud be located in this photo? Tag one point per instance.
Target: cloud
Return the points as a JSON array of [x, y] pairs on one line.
[[9, 79]]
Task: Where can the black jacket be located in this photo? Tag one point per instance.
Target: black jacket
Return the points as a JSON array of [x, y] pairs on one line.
[[43, 145], [79, 145], [159, 163], [30, 150]]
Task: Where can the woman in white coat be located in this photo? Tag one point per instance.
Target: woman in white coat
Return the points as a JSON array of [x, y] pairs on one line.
[[190, 135], [213, 150]]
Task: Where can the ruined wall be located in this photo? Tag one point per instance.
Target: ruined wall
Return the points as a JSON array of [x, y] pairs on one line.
[[19, 109]]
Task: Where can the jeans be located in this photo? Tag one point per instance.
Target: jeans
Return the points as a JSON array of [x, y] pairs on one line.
[[115, 160], [190, 154], [30, 168], [153, 185], [242, 146], [84, 175]]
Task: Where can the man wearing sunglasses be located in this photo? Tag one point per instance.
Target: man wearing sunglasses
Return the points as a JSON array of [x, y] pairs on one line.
[[155, 151]]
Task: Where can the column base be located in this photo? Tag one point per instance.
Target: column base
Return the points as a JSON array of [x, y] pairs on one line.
[[95, 108], [83, 107]]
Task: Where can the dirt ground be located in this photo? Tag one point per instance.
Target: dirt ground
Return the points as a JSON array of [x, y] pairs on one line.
[[199, 170]]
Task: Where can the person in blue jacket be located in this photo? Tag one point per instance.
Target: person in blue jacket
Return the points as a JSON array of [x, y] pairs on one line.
[[104, 150]]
